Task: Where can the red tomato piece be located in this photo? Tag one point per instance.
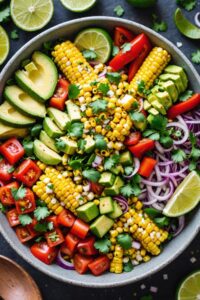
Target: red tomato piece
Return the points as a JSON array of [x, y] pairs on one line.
[[86, 247], [81, 263], [6, 196], [99, 265], [5, 170], [125, 57], [43, 252], [12, 150], [26, 204], [28, 172], [66, 218], [60, 96], [54, 220], [122, 36], [146, 167], [133, 138], [2, 183], [13, 217], [23, 234], [142, 147], [66, 251], [71, 242], [96, 188], [80, 228], [54, 237], [31, 227], [183, 107]]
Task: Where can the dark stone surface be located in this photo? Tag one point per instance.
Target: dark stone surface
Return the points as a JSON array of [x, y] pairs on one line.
[[54, 290]]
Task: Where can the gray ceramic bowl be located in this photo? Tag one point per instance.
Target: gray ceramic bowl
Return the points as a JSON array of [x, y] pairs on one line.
[[176, 246]]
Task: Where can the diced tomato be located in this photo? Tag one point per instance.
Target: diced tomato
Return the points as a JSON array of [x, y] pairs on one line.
[[5, 170], [71, 242], [146, 167], [23, 234], [2, 183], [12, 150], [66, 218], [53, 219], [54, 237], [86, 247], [31, 227], [80, 228], [99, 265], [96, 188], [65, 250], [125, 57], [13, 217], [28, 172], [133, 138], [142, 147], [43, 252], [60, 96], [81, 263], [6, 196], [122, 36], [183, 107], [26, 204]]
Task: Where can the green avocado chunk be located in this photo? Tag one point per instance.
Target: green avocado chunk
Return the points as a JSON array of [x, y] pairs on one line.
[[70, 145], [173, 69], [45, 154], [74, 111], [176, 79], [51, 128], [49, 142], [117, 212], [115, 188], [88, 211], [126, 158], [59, 117], [101, 226], [106, 205], [107, 179], [170, 87]]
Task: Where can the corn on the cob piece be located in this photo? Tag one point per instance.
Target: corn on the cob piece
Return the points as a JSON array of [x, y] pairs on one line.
[[151, 68], [73, 64], [116, 265]]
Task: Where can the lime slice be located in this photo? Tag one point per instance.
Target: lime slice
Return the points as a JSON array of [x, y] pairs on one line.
[[31, 15], [185, 198], [142, 3], [78, 5], [185, 26], [190, 287], [4, 45], [95, 39]]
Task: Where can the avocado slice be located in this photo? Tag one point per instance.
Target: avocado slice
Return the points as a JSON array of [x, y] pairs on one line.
[[49, 142], [107, 179], [153, 111], [151, 98], [115, 188], [176, 79], [59, 117], [10, 116], [74, 111], [9, 131], [51, 129], [126, 159], [24, 102], [39, 82], [157, 105], [164, 99], [170, 87], [45, 154], [173, 69], [117, 212], [147, 105], [101, 226], [106, 205], [70, 145], [89, 145], [88, 211], [117, 169]]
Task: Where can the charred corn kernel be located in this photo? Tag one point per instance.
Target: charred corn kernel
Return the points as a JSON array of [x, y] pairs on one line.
[[151, 68], [116, 265], [73, 64], [110, 255]]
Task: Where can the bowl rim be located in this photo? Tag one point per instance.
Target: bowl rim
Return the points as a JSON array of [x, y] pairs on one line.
[[196, 226]]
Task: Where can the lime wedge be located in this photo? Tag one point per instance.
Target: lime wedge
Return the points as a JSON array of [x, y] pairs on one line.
[[4, 45], [78, 5], [31, 15], [95, 39], [185, 26], [190, 287], [185, 198]]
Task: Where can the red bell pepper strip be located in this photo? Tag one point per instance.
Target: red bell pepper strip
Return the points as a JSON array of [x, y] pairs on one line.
[[86, 247], [54, 237], [71, 241], [43, 252], [80, 228], [26, 204], [81, 263], [28, 172], [183, 107], [5, 170], [12, 150], [146, 167], [6, 196], [133, 138], [123, 58], [122, 35], [13, 217], [60, 96], [65, 218], [99, 265], [142, 147]]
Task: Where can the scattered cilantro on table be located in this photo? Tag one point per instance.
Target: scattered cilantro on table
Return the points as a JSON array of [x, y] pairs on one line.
[[5, 14], [158, 25], [196, 57], [119, 10], [25, 219], [187, 4], [99, 105], [14, 35], [103, 245]]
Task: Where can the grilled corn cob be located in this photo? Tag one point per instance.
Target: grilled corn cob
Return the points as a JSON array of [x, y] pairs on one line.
[[72, 63], [116, 265]]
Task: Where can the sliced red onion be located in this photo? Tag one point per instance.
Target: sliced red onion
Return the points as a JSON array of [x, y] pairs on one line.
[[102, 74], [123, 203], [136, 245], [153, 183], [158, 206], [197, 19], [193, 122], [175, 173], [141, 104], [64, 263], [165, 163], [181, 224], [184, 128], [142, 196], [97, 161], [165, 196], [136, 168], [159, 147], [120, 197], [150, 201]]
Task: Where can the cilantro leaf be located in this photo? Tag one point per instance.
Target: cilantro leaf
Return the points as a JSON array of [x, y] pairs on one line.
[[5, 14], [158, 122], [60, 144], [103, 245], [14, 35], [103, 88], [142, 88], [178, 155], [126, 47], [48, 46], [195, 153], [127, 190], [119, 11], [100, 143], [115, 50], [111, 161], [152, 212], [25, 219], [89, 54], [2, 208], [28, 146], [128, 170], [151, 134], [73, 91], [76, 164], [81, 144], [128, 267], [11, 170], [146, 297], [99, 106], [91, 175], [187, 4], [158, 25], [75, 129], [41, 213], [113, 77], [186, 95], [18, 193], [42, 227], [196, 57], [161, 221], [137, 116]]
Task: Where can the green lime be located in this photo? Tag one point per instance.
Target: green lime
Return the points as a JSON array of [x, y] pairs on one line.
[[185, 26], [97, 40], [190, 287], [78, 5], [142, 3], [185, 197], [31, 15], [4, 45]]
